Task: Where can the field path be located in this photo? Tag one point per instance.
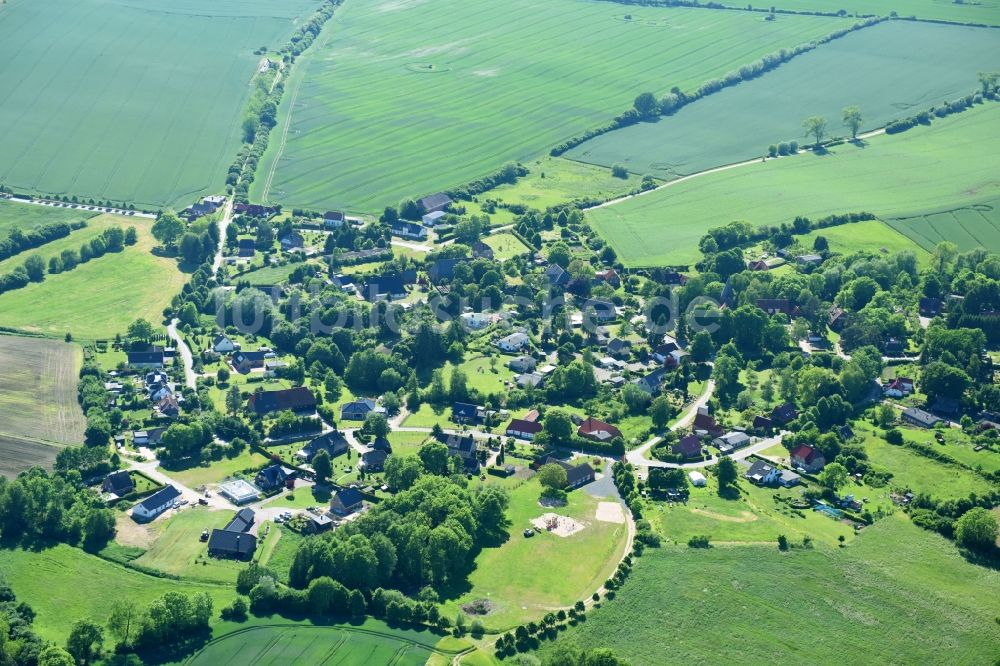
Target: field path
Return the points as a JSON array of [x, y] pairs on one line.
[[190, 378], [724, 167]]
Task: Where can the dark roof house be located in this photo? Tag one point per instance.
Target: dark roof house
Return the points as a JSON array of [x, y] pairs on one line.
[[119, 483], [298, 399]]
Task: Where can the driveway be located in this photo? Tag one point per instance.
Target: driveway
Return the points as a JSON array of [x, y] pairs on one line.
[[190, 378]]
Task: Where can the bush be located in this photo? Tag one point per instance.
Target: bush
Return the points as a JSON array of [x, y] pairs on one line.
[[618, 171], [699, 542], [894, 437]]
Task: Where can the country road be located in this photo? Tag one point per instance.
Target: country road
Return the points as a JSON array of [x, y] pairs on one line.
[[190, 378], [227, 217]]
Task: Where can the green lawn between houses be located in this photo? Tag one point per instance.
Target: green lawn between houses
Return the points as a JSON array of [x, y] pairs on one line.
[[924, 169], [898, 594]]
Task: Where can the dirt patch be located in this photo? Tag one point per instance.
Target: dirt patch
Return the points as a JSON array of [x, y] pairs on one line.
[[479, 607], [744, 517], [131, 533], [562, 526], [610, 512]]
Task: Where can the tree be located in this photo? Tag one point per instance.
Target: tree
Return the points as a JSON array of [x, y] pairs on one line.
[[131, 237], [943, 256], [821, 244], [167, 228], [123, 619], [322, 466], [35, 267], [660, 412], [726, 471], [234, 400], [833, 476], [940, 380], [646, 105], [852, 120], [53, 656], [191, 248], [553, 476], [815, 126], [140, 330], [434, 456], [376, 425], [85, 641], [401, 472], [702, 347], [558, 425], [977, 529]]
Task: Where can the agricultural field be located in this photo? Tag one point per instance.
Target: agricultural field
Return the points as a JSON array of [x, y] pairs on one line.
[[38, 408], [64, 584], [404, 99], [949, 164], [28, 216], [521, 577], [871, 602], [371, 642], [876, 68], [141, 102], [968, 227], [871, 236], [982, 11], [101, 297]]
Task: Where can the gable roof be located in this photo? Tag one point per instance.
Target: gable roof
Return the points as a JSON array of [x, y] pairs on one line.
[[465, 410], [806, 454], [298, 398], [556, 275], [383, 284], [159, 498], [348, 496], [242, 521], [433, 201], [574, 473], [760, 470], [461, 444], [918, 415], [273, 475], [522, 425], [232, 542], [120, 483], [688, 445], [592, 427], [332, 442], [784, 413]]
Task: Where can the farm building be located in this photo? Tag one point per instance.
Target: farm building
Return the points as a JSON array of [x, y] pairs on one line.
[[920, 418], [155, 504], [697, 479], [434, 218], [233, 541], [298, 399], [435, 202]]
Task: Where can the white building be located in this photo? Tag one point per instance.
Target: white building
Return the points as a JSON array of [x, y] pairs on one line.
[[514, 342], [697, 479], [156, 503]]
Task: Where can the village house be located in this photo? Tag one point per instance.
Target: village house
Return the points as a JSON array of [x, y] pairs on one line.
[[463, 412], [118, 483], [664, 350], [149, 437], [523, 429], [704, 425], [919, 418], [246, 248], [763, 473], [619, 348], [443, 269], [513, 343], [784, 414], [358, 410], [292, 241], [807, 458], [731, 441], [556, 276], [223, 345], [522, 363], [597, 430], [333, 219], [464, 447], [333, 442], [596, 310], [298, 399], [273, 477], [481, 250], [145, 359], [773, 306], [372, 461], [155, 504], [610, 276], [687, 447], [346, 501], [930, 307], [246, 361], [576, 475], [407, 229], [529, 380], [383, 287], [234, 541], [650, 383], [475, 321]]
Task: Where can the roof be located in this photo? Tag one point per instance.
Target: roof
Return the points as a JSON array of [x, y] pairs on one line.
[[515, 339], [407, 227], [348, 496], [242, 521], [759, 470], [145, 357], [437, 200], [274, 475], [383, 284], [374, 457], [159, 498], [556, 275], [805, 453], [465, 410], [705, 422], [776, 304], [574, 473], [119, 481], [333, 215], [236, 543], [249, 356], [521, 425], [272, 401], [784, 413], [364, 405], [382, 444], [689, 445], [460, 443], [599, 429], [696, 477], [920, 416], [444, 268], [332, 442], [434, 215]]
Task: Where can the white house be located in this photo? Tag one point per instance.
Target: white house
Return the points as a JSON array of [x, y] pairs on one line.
[[223, 344], [476, 320], [514, 342], [697, 479], [763, 473], [156, 503]]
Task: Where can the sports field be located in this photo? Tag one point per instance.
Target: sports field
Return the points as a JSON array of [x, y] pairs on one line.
[[38, 408], [141, 102], [406, 98], [876, 69], [968, 227], [978, 11], [950, 164], [898, 594], [100, 298], [28, 216]]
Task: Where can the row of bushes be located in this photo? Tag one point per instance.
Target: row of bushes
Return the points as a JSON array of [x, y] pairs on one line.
[[677, 99], [925, 117], [507, 174], [18, 241]]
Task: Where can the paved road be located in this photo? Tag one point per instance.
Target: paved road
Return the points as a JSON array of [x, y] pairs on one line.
[[190, 378], [227, 217], [149, 468]]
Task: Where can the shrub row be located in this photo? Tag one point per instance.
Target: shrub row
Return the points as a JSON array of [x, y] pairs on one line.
[[18, 241]]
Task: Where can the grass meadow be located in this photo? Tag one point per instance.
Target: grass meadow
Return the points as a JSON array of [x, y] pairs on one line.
[[38, 408], [141, 102], [876, 68], [556, 180], [100, 298], [871, 602], [871, 236], [399, 98], [28, 216], [947, 165]]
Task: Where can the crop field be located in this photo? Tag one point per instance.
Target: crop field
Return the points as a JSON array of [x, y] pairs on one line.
[[142, 102], [515, 578], [64, 584], [871, 602], [947, 165], [981, 11], [555, 180], [38, 408], [407, 98], [876, 68], [28, 216], [968, 227], [100, 298]]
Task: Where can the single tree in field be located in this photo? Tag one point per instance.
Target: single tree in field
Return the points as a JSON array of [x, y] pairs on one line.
[[167, 228], [852, 120], [124, 618], [815, 126], [977, 528], [85, 641], [140, 330]]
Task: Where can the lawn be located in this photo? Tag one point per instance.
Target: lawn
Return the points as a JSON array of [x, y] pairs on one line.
[[27, 216], [216, 472], [897, 81], [38, 407], [898, 594], [100, 298], [393, 92], [872, 236], [179, 550], [95, 226], [968, 227], [279, 641], [525, 578], [913, 471], [140, 102], [505, 246], [556, 180], [949, 164], [64, 584]]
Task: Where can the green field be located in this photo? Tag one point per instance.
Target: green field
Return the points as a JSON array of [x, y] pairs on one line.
[[141, 102], [950, 164], [28, 216], [897, 595], [95, 226], [38, 407], [977, 11], [505, 246], [876, 68], [555, 180], [370, 642], [968, 227], [871, 236], [100, 298], [407, 98], [525, 578], [64, 584]]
